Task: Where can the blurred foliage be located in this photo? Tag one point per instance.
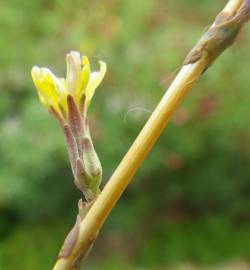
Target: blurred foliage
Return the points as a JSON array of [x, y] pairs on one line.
[[192, 192]]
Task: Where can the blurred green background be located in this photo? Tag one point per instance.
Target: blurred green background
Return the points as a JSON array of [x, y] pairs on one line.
[[190, 201]]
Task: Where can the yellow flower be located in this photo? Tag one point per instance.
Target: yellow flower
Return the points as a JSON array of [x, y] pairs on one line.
[[80, 83]]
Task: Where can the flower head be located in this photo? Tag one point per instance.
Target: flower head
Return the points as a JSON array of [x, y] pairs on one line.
[[80, 83], [68, 100]]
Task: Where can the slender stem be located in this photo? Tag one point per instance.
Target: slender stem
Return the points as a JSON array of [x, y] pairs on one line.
[[131, 162]]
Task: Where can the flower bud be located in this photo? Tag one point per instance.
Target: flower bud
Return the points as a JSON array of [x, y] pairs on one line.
[[68, 100]]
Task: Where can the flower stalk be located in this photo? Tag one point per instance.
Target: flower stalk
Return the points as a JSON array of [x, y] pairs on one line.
[[68, 100]]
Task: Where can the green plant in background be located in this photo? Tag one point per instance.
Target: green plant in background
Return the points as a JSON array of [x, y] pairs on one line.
[[67, 101], [201, 163]]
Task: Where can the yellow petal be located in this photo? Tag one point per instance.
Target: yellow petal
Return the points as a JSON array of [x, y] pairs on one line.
[[63, 94], [43, 100], [63, 83], [44, 81], [94, 80], [73, 78], [36, 74], [85, 75]]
